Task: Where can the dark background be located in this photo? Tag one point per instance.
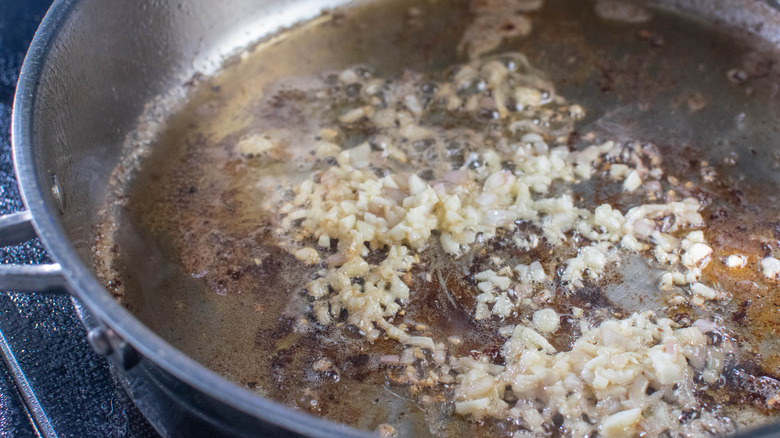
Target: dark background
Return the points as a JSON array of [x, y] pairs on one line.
[[73, 385]]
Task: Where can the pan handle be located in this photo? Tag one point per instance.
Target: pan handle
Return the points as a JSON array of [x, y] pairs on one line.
[[17, 228]]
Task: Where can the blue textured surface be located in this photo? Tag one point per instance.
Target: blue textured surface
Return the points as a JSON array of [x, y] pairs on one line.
[[74, 385]]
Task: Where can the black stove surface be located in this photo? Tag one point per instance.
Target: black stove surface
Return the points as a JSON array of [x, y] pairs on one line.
[[73, 391]]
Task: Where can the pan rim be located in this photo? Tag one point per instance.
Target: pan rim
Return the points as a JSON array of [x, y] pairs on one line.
[[85, 286]]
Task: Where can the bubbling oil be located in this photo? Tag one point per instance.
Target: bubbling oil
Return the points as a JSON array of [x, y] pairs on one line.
[[194, 255]]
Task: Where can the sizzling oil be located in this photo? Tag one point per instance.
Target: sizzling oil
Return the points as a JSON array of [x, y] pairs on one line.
[[196, 260]]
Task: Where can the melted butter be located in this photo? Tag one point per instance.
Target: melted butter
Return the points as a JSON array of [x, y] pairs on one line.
[[195, 266]]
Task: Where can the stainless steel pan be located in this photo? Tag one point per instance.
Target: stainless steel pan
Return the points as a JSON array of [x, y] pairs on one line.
[[95, 67]]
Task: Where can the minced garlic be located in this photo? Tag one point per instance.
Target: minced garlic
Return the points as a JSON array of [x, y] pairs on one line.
[[387, 196], [546, 320], [617, 361], [770, 266], [735, 261]]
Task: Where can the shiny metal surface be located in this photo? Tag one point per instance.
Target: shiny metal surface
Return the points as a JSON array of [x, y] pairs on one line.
[[32, 278], [42, 423], [80, 93], [91, 72], [17, 228]]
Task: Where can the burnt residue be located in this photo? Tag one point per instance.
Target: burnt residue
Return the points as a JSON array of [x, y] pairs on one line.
[[199, 263], [444, 300], [750, 386]]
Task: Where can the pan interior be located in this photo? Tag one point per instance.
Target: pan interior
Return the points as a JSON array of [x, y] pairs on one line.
[[186, 246]]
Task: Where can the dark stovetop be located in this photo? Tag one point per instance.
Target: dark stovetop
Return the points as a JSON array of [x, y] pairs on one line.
[[73, 386]]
